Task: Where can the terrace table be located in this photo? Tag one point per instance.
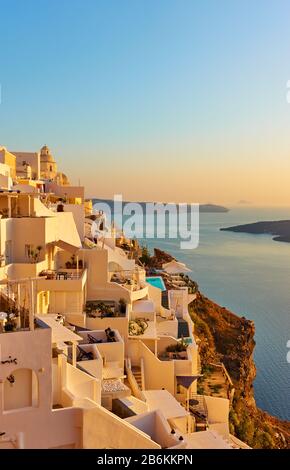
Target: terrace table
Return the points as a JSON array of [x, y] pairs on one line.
[[61, 275], [193, 402]]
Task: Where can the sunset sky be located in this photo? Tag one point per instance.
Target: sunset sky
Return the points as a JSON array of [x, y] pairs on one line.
[[174, 100]]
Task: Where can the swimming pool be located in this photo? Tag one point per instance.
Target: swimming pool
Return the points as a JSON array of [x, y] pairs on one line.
[[156, 281]]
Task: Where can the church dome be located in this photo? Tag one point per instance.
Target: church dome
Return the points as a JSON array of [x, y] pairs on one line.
[[62, 179], [45, 154], [44, 150]]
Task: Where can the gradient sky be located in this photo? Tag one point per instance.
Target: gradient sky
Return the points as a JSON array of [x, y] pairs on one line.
[[174, 100]]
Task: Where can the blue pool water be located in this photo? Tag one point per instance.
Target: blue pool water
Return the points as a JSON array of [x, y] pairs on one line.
[[156, 282]]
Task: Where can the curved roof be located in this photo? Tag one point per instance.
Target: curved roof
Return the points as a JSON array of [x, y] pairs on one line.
[[46, 155], [63, 179]]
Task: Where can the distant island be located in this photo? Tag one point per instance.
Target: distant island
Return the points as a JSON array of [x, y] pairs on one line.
[[280, 229], [210, 208]]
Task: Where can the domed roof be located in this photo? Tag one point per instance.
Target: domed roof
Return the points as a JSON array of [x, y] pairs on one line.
[[45, 154], [45, 149], [62, 179]]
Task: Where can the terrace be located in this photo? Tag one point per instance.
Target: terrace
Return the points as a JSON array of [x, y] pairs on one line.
[[106, 309], [16, 314], [62, 280], [62, 274], [15, 204], [133, 280], [99, 336], [143, 320], [19, 321], [177, 350], [142, 328], [101, 352]]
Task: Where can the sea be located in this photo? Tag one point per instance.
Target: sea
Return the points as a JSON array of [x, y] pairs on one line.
[[250, 275]]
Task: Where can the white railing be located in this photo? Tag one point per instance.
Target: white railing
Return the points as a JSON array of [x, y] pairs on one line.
[[63, 274]]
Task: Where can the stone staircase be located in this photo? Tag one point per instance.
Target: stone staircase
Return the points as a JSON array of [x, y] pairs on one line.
[[199, 410], [136, 370]]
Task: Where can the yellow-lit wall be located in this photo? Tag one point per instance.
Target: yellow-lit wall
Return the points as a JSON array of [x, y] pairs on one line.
[[8, 159]]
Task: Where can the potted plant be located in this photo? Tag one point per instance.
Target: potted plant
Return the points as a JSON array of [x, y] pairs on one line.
[[177, 349], [34, 255], [137, 326], [10, 324]]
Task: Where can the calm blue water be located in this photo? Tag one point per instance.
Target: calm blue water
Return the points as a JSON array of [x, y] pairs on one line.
[[250, 275], [156, 282]]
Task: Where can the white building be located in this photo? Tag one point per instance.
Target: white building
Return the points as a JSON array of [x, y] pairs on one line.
[[91, 354]]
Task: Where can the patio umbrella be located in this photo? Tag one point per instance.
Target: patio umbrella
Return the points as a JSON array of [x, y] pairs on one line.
[[175, 267], [186, 380]]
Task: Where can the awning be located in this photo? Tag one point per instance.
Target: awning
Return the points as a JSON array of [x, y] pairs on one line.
[[66, 246], [175, 267], [186, 380]]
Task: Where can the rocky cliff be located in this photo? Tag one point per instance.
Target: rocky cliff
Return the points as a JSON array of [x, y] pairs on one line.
[[227, 338]]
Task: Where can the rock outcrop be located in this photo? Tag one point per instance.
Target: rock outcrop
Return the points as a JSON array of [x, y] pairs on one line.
[[228, 338]]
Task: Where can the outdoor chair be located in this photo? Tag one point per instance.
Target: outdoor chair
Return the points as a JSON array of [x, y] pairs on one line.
[[84, 355], [93, 340]]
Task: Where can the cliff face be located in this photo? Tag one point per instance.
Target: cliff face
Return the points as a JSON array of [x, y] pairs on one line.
[[228, 338], [232, 342], [160, 257]]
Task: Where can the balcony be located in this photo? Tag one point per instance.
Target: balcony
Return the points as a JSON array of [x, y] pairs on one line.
[[62, 280], [105, 309], [101, 352], [19, 321], [171, 349], [142, 328], [133, 281]]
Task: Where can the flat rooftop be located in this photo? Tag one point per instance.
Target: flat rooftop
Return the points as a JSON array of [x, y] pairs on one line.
[[59, 333], [165, 402]]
